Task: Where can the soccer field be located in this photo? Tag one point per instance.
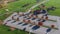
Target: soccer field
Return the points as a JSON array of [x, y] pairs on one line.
[[17, 6]]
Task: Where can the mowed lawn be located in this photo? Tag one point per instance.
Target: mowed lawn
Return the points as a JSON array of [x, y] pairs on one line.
[[55, 3], [17, 5], [5, 30]]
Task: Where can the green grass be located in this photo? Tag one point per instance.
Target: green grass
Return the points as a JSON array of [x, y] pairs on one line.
[[17, 5], [4, 30], [55, 3]]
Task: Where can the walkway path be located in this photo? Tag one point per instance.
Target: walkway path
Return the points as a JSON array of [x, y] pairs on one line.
[[37, 5]]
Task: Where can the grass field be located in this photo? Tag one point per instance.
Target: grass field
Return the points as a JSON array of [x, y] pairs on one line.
[[18, 7], [55, 3], [5, 30]]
